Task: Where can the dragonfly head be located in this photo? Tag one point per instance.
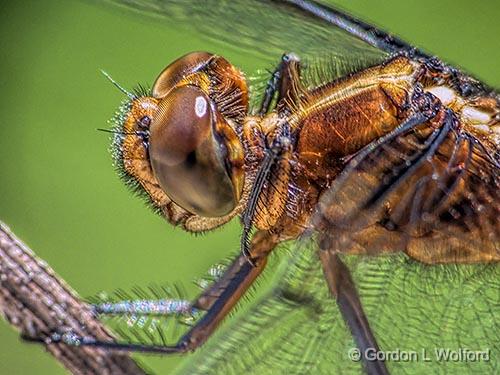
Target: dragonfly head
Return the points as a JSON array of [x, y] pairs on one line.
[[189, 144]]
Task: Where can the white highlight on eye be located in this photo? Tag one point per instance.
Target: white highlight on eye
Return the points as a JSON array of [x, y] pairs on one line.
[[200, 106]]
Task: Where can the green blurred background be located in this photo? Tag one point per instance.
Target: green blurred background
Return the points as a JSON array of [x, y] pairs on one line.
[[58, 190]]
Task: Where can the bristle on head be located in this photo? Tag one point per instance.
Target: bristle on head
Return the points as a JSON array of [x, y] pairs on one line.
[[118, 86]]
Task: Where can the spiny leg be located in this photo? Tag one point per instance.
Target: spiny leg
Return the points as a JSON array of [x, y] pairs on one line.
[[145, 307], [344, 291], [281, 81], [217, 301]]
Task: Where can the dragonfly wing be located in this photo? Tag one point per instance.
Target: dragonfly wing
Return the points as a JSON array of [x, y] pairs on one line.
[[296, 328], [265, 28], [434, 193]]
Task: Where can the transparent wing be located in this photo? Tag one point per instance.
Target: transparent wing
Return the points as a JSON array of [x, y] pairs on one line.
[[265, 28], [413, 309]]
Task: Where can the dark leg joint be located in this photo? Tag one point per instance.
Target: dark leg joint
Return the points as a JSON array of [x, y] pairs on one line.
[[280, 81], [426, 103]]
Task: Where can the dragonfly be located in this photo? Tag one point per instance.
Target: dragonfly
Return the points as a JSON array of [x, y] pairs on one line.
[[380, 159]]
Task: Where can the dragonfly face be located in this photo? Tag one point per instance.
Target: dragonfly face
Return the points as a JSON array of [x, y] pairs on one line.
[[181, 143]]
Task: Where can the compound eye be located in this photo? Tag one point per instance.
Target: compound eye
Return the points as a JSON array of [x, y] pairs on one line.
[[188, 157], [177, 70]]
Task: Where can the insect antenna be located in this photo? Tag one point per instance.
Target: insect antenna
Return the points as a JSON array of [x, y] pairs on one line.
[[118, 86]]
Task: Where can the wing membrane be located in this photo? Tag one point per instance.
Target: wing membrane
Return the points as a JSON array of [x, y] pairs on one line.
[[255, 27], [297, 329]]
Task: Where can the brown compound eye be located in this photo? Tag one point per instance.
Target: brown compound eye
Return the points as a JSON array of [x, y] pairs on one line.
[[189, 156], [188, 64]]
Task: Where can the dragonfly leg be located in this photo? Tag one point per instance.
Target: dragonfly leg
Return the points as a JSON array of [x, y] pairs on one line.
[[281, 81], [344, 291], [217, 301], [166, 306]]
